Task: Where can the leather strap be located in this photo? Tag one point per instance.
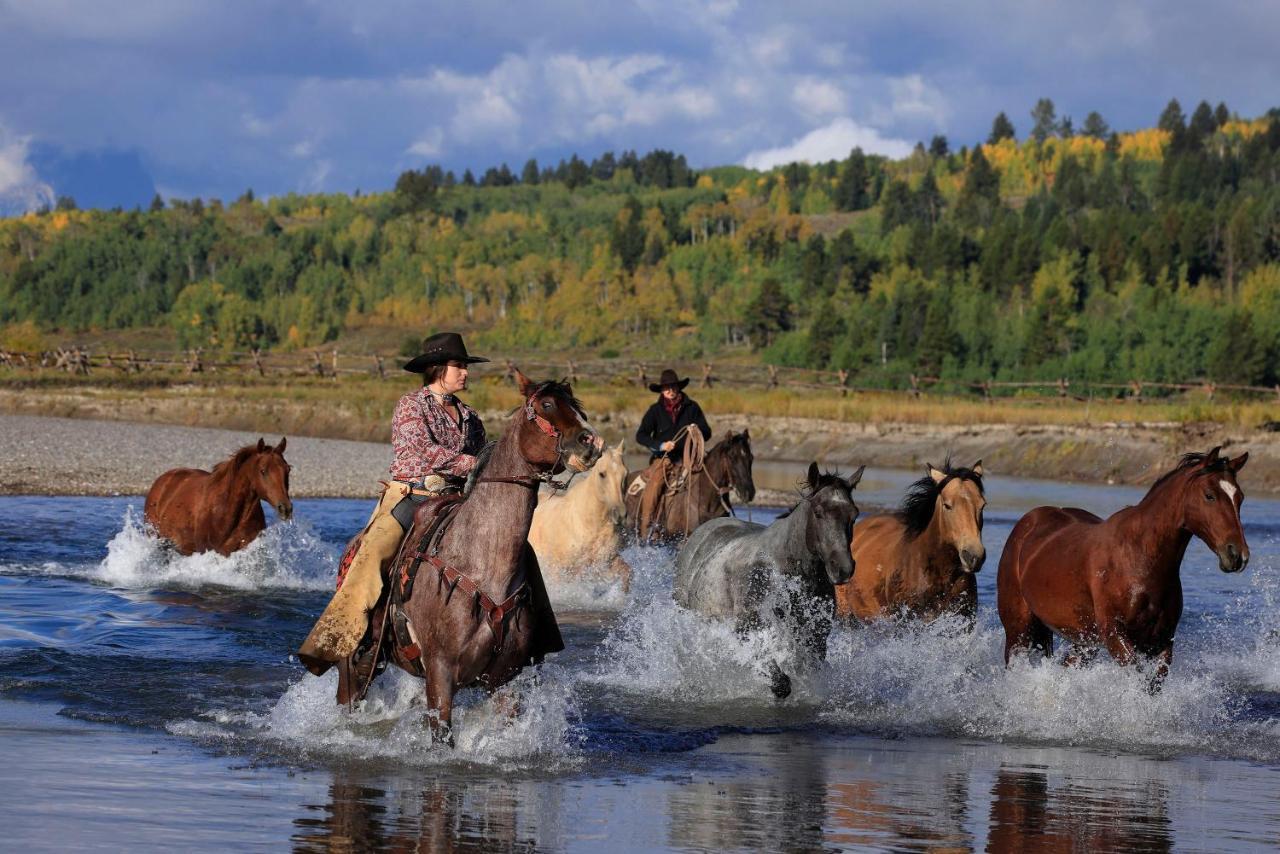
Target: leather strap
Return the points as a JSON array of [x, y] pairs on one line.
[[496, 613]]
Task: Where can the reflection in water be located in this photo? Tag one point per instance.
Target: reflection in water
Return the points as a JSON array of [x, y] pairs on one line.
[[445, 815], [775, 803], [1076, 814]]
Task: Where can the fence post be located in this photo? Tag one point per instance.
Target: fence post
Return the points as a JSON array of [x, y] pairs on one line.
[[986, 391], [707, 379], [573, 373], [642, 378], [257, 362], [1135, 389], [773, 376], [316, 364], [511, 371], [1210, 388], [194, 363], [335, 363], [915, 386], [844, 382], [378, 368], [1063, 384]]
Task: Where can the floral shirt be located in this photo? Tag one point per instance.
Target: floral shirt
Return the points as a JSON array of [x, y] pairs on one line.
[[426, 440]]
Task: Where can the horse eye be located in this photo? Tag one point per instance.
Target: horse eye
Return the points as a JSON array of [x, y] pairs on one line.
[[601, 474], [1209, 496], [946, 506], [263, 470], [546, 404]]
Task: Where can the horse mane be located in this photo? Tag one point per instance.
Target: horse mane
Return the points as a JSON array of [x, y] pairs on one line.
[[918, 505], [483, 456], [1188, 462], [826, 478], [235, 460]]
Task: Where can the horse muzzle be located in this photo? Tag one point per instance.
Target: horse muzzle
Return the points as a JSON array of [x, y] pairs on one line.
[[836, 572], [971, 562], [589, 449], [1232, 558], [285, 510]]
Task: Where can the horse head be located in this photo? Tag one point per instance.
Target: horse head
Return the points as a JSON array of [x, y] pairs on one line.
[[1211, 506], [738, 459], [957, 504], [554, 432], [832, 513], [610, 471], [269, 473]]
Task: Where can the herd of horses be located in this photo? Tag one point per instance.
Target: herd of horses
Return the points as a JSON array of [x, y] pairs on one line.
[[1098, 584]]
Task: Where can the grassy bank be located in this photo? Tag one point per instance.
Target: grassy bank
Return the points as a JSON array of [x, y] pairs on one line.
[[358, 407]]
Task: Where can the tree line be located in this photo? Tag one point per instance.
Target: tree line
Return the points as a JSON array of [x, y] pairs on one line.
[[1091, 253]]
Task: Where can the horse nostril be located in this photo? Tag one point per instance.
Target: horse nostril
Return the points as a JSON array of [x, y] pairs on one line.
[[586, 439]]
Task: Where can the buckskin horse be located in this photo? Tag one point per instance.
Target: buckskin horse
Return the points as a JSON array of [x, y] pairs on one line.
[[579, 534], [467, 605], [1115, 584], [922, 560], [734, 568], [221, 510], [697, 487]]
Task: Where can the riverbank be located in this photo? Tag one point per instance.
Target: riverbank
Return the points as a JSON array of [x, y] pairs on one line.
[[95, 456]]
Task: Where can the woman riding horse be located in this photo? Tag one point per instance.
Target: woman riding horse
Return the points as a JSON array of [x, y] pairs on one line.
[[435, 438]]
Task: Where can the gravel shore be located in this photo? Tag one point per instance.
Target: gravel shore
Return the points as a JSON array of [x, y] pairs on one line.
[[73, 456]]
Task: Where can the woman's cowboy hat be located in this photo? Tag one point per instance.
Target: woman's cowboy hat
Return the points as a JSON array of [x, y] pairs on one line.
[[668, 378], [440, 349]]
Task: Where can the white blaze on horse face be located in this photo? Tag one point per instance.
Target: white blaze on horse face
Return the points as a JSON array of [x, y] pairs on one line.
[[1229, 489]]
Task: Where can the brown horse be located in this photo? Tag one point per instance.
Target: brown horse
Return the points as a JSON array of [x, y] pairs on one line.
[[477, 612], [698, 493], [221, 510], [923, 559], [1115, 583]]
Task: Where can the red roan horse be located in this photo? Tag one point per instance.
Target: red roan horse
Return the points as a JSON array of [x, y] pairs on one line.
[[1115, 583], [476, 611], [200, 511]]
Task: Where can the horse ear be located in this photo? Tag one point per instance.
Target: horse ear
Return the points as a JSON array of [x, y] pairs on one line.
[[522, 382], [746, 434], [622, 446], [977, 468], [1238, 463], [855, 478], [813, 476], [279, 449], [262, 445], [1212, 456], [937, 474]]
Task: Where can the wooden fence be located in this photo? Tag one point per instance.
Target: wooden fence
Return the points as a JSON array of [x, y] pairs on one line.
[[330, 363]]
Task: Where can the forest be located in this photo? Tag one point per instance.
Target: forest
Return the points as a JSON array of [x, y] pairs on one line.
[[1084, 252]]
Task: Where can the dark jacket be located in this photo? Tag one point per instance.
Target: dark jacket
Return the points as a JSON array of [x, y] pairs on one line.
[[656, 426]]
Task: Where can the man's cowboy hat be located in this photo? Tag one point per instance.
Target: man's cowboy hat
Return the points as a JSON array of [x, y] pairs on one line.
[[440, 349], [668, 378]]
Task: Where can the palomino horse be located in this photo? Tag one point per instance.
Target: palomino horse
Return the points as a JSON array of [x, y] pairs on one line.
[[582, 529], [1115, 583], [732, 568], [698, 488], [200, 511], [468, 606], [921, 560]]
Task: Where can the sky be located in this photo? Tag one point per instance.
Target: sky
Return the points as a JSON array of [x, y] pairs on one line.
[[111, 101]]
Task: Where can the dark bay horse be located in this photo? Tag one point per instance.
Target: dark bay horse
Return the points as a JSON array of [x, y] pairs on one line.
[[477, 611], [1115, 584], [922, 560], [700, 492], [729, 568], [221, 510]]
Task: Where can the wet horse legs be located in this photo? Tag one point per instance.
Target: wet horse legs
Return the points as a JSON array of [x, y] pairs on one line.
[[440, 700]]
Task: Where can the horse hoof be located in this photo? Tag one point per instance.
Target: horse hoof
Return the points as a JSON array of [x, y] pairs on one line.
[[781, 686]]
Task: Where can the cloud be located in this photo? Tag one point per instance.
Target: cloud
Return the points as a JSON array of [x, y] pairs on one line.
[[833, 141], [21, 189], [818, 97]]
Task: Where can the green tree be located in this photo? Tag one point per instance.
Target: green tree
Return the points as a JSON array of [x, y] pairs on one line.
[[851, 190], [768, 314], [1044, 120], [1001, 128], [980, 194], [1096, 126], [629, 235], [938, 146]]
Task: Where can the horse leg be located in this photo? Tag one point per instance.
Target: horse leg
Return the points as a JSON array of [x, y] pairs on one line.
[[779, 682], [621, 570], [440, 700], [506, 702], [1025, 632], [1164, 658]]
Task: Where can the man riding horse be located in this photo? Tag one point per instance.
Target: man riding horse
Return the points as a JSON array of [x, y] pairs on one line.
[[436, 439], [665, 430]]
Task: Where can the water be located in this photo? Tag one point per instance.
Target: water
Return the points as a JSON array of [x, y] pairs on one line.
[[151, 701]]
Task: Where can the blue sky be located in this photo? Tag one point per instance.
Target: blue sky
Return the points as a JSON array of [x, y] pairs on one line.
[[109, 101]]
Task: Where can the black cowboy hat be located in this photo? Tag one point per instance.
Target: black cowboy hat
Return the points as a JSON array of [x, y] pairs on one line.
[[440, 349], [668, 377]]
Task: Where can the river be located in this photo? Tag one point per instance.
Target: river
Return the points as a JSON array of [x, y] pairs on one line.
[[148, 701]]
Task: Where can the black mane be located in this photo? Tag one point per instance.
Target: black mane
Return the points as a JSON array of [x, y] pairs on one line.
[[1190, 461], [916, 511], [559, 389], [808, 490]]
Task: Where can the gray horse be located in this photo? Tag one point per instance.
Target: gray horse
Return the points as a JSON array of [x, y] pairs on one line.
[[731, 568]]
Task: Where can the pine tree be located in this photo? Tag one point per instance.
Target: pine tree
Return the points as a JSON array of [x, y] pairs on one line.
[[851, 191], [1001, 128], [1095, 126], [938, 146], [628, 238], [1044, 120], [529, 175]]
